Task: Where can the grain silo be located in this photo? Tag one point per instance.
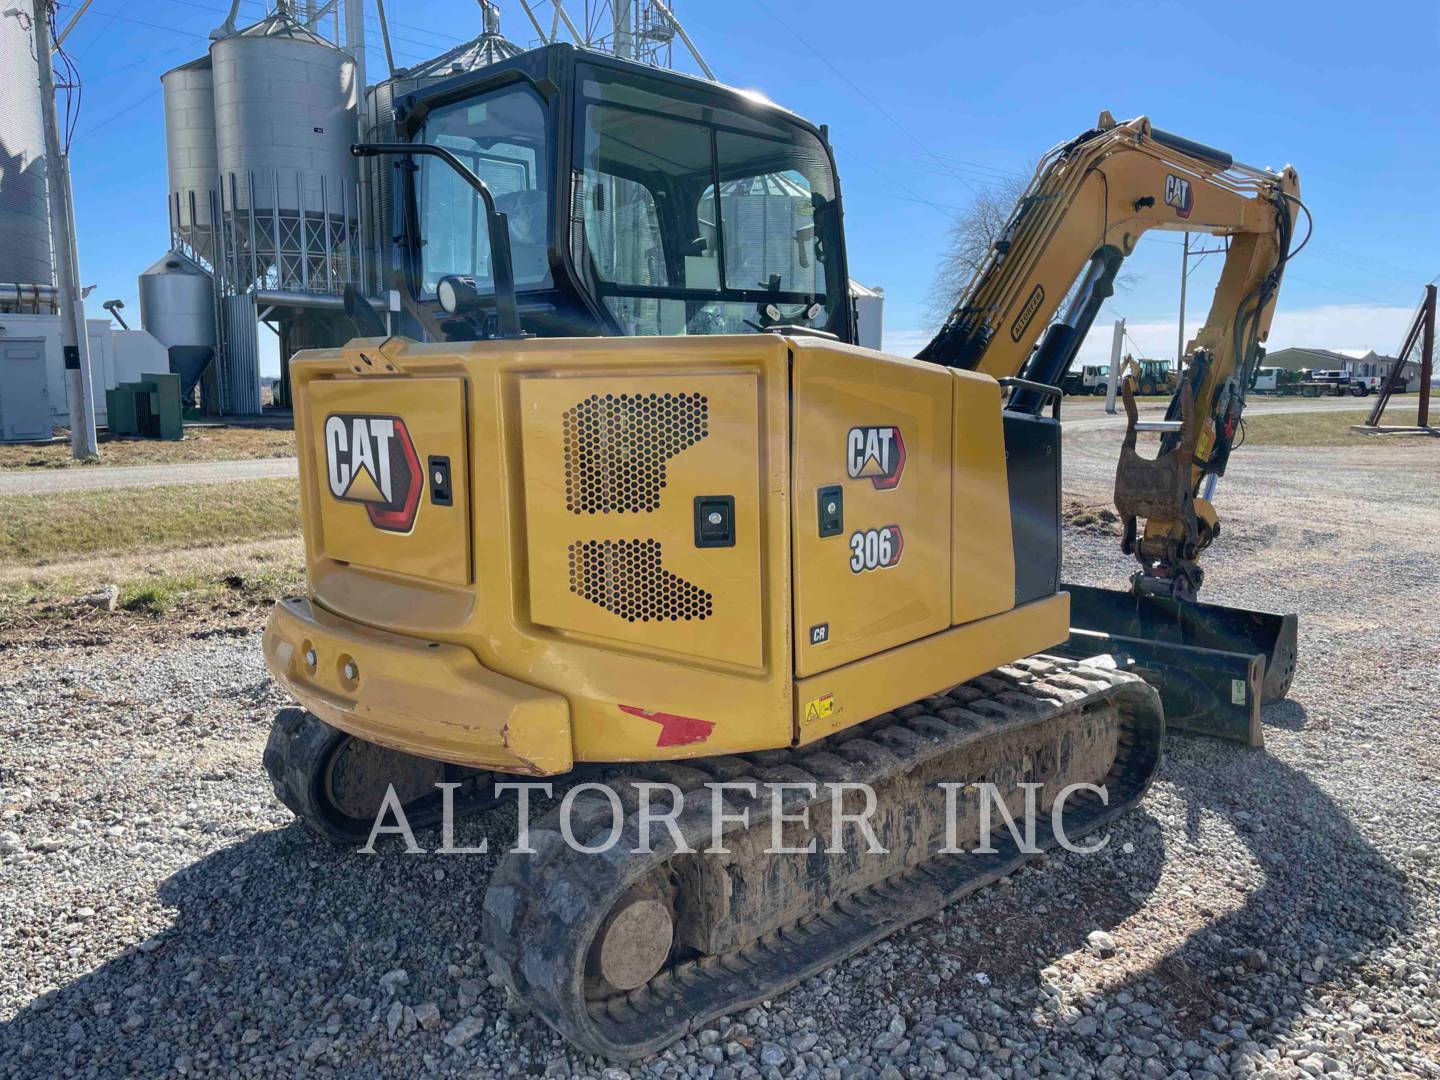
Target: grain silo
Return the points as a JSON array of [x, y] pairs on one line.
[[380, 100], [25, 254], [177, 305], [191, 156], [284, 122]]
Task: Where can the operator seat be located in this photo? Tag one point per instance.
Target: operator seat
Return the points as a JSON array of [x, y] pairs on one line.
[[526, 211]]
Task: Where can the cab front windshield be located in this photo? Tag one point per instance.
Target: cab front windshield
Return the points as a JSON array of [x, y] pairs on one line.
[[692, 219]]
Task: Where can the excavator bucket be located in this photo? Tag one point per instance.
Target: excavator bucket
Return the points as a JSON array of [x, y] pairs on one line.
[[1214, 666]]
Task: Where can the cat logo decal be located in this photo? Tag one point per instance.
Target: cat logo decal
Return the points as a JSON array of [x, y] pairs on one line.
[[372, 460], [876, 454]]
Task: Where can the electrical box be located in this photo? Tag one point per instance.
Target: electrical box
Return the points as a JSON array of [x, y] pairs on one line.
[[149, 408], [24, 391]]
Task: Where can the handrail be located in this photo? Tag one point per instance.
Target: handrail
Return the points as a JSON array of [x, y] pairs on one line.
[[507, 308]]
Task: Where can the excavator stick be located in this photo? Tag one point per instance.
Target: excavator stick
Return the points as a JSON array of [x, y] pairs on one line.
[[1213, 665]]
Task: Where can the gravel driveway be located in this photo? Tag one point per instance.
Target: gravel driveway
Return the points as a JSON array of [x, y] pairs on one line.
[[1269, 913], [1086, 414]]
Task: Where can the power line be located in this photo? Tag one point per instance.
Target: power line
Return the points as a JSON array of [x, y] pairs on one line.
[[951, 212], [445, 42], [1370, 266], [147, 58], [956, 172], [154, 26], [1334, 288], [975, 166], [851, 83], [1126, 330], [440, 43], [119, 113]]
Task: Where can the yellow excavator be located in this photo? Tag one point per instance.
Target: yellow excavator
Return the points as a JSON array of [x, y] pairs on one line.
[[636, 509]]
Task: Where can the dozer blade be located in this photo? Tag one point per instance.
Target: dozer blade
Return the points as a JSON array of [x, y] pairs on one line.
[[1213, 665]]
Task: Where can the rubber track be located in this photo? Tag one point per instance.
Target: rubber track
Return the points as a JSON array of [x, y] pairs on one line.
[[299, 745], [542, 911], [296, 754]]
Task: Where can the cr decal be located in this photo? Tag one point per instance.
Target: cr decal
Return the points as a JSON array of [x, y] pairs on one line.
[[875, 549], [876, 454], [372, 460], [1179, 194]]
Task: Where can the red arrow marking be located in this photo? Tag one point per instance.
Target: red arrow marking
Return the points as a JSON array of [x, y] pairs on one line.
[[402, 517], [674, 730], [886, 483]]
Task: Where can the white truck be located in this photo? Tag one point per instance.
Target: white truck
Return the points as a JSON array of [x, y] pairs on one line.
[[1274, 380], [1091, 379]]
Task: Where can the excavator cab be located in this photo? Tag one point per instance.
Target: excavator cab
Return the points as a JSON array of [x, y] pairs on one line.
[[638, 202]]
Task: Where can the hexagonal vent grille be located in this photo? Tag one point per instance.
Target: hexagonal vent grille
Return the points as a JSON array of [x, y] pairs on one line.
[[626, 579], [617, 445]]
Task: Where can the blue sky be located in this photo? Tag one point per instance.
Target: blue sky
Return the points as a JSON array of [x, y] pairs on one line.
[[928, 101]]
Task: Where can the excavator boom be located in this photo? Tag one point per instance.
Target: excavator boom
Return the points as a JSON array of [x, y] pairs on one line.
[[1086, 208], [1082, 215]]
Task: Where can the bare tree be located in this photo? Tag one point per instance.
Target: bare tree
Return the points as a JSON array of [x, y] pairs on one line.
[[972, 234]]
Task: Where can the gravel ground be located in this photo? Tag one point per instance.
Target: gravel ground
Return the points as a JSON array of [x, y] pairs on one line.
[[1268, 913]]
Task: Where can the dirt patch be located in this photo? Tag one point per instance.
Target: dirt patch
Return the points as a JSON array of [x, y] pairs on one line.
[[199, 444], [200, 593], [1092, 519]]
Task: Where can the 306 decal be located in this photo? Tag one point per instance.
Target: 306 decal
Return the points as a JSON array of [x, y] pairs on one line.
[[876, 549]]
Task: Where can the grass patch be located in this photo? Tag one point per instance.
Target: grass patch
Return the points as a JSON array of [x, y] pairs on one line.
[[38, 529], [199, 444], [1328, 428], [163, 593], [1093, 518], [238, 588], [242, 580]]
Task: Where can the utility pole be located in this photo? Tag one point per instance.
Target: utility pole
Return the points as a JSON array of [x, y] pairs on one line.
[[1427, 358], [1114, 379], [1184, 275], [74, 335]]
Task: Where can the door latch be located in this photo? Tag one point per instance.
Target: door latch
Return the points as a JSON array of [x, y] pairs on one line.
[[831, 504], [714, 521], [438, 469]]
